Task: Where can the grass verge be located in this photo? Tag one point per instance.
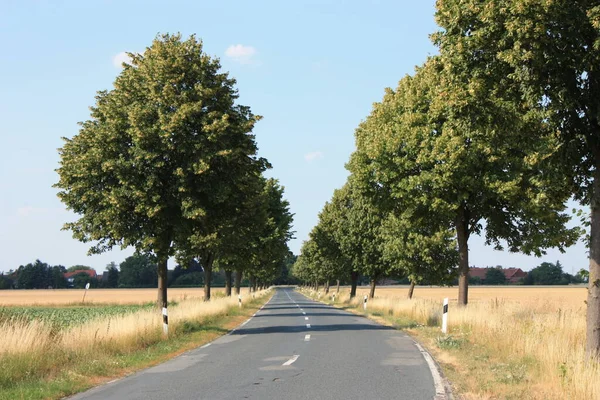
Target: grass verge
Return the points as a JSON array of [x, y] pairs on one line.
[[45, 364], [497, 349]]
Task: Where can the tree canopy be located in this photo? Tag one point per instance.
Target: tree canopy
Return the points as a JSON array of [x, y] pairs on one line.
[[165, 160]]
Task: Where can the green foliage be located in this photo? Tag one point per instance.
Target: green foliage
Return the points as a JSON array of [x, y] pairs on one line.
[[138, 270], [494, 276], [475, 280], [164, 161], [285, 276], [189, 279], [258, 243], [81, 279], [39, 275], [186, 268], [113, 275], [5, 282], [548, 274], [449, 342]]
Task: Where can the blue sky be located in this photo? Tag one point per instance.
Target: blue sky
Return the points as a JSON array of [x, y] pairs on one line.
[[311, 68]]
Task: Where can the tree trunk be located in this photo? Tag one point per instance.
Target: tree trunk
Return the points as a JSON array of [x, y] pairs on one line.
[[411, 289], [338, 286], [238, 281], [252, 284], [228, 274], [373, 284], [462, 236], [327, 287], [162, 281], [354, 282], [207, 265], [592, 347]]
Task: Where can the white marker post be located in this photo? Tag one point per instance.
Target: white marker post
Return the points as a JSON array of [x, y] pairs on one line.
[[240, 300], [333, 297], [365, 302], [87, 286], [165, 314], [445, 316]]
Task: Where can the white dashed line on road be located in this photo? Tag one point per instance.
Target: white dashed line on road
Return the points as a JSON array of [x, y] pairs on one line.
[[308, 325], [291, 360], [306, 318], [307, 338]]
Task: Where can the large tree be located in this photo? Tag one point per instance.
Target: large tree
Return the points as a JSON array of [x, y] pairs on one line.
[[157, 154], [455, 150], [549, 52]]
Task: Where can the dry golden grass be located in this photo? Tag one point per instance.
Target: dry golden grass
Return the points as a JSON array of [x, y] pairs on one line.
[[97, 296], [574, 296], [34, 354], [115, 332], [529, 341]]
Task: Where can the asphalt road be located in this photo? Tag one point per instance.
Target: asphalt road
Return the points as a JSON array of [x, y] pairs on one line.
[[293, 348]]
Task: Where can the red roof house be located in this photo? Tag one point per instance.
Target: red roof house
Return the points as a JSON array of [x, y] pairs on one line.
[[513, 275], [70, 276]]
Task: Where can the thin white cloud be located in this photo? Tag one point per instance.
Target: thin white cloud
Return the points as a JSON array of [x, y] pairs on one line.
[[315, 155], [121, 58], [241, 54]]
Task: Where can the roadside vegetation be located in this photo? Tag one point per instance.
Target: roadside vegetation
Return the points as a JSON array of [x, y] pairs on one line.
[[519, 345], [45, 358], [492, 136]]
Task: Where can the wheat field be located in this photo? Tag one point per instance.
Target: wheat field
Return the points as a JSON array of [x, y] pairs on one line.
[[99, 296], [571, 295]]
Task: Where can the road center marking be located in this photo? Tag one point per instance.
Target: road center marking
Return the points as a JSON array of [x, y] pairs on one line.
[[308, 325], [306, 318], [307, 338], [291, 360], [303, 312]]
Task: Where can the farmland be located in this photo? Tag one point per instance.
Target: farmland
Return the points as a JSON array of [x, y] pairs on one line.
[[509, 342], [97, 296], [51, 351], [574, 296]]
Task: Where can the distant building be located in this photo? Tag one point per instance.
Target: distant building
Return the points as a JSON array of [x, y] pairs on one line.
[[513, 275], [70, 276]]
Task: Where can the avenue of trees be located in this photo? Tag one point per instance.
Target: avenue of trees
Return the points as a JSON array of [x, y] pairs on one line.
[[491, 136], [168, 164]]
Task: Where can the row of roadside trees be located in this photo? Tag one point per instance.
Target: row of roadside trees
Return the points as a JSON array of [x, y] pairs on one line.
[[490, 137], [168, 164]]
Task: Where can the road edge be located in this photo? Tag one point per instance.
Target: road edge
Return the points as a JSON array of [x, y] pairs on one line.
[[102, 385], [439, 379]]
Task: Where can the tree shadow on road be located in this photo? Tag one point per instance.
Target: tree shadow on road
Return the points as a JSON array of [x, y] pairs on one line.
[[313, 328], [317, 314]]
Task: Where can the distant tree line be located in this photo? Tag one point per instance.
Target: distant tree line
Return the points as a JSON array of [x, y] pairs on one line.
[[546, 273], [137, 271]]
